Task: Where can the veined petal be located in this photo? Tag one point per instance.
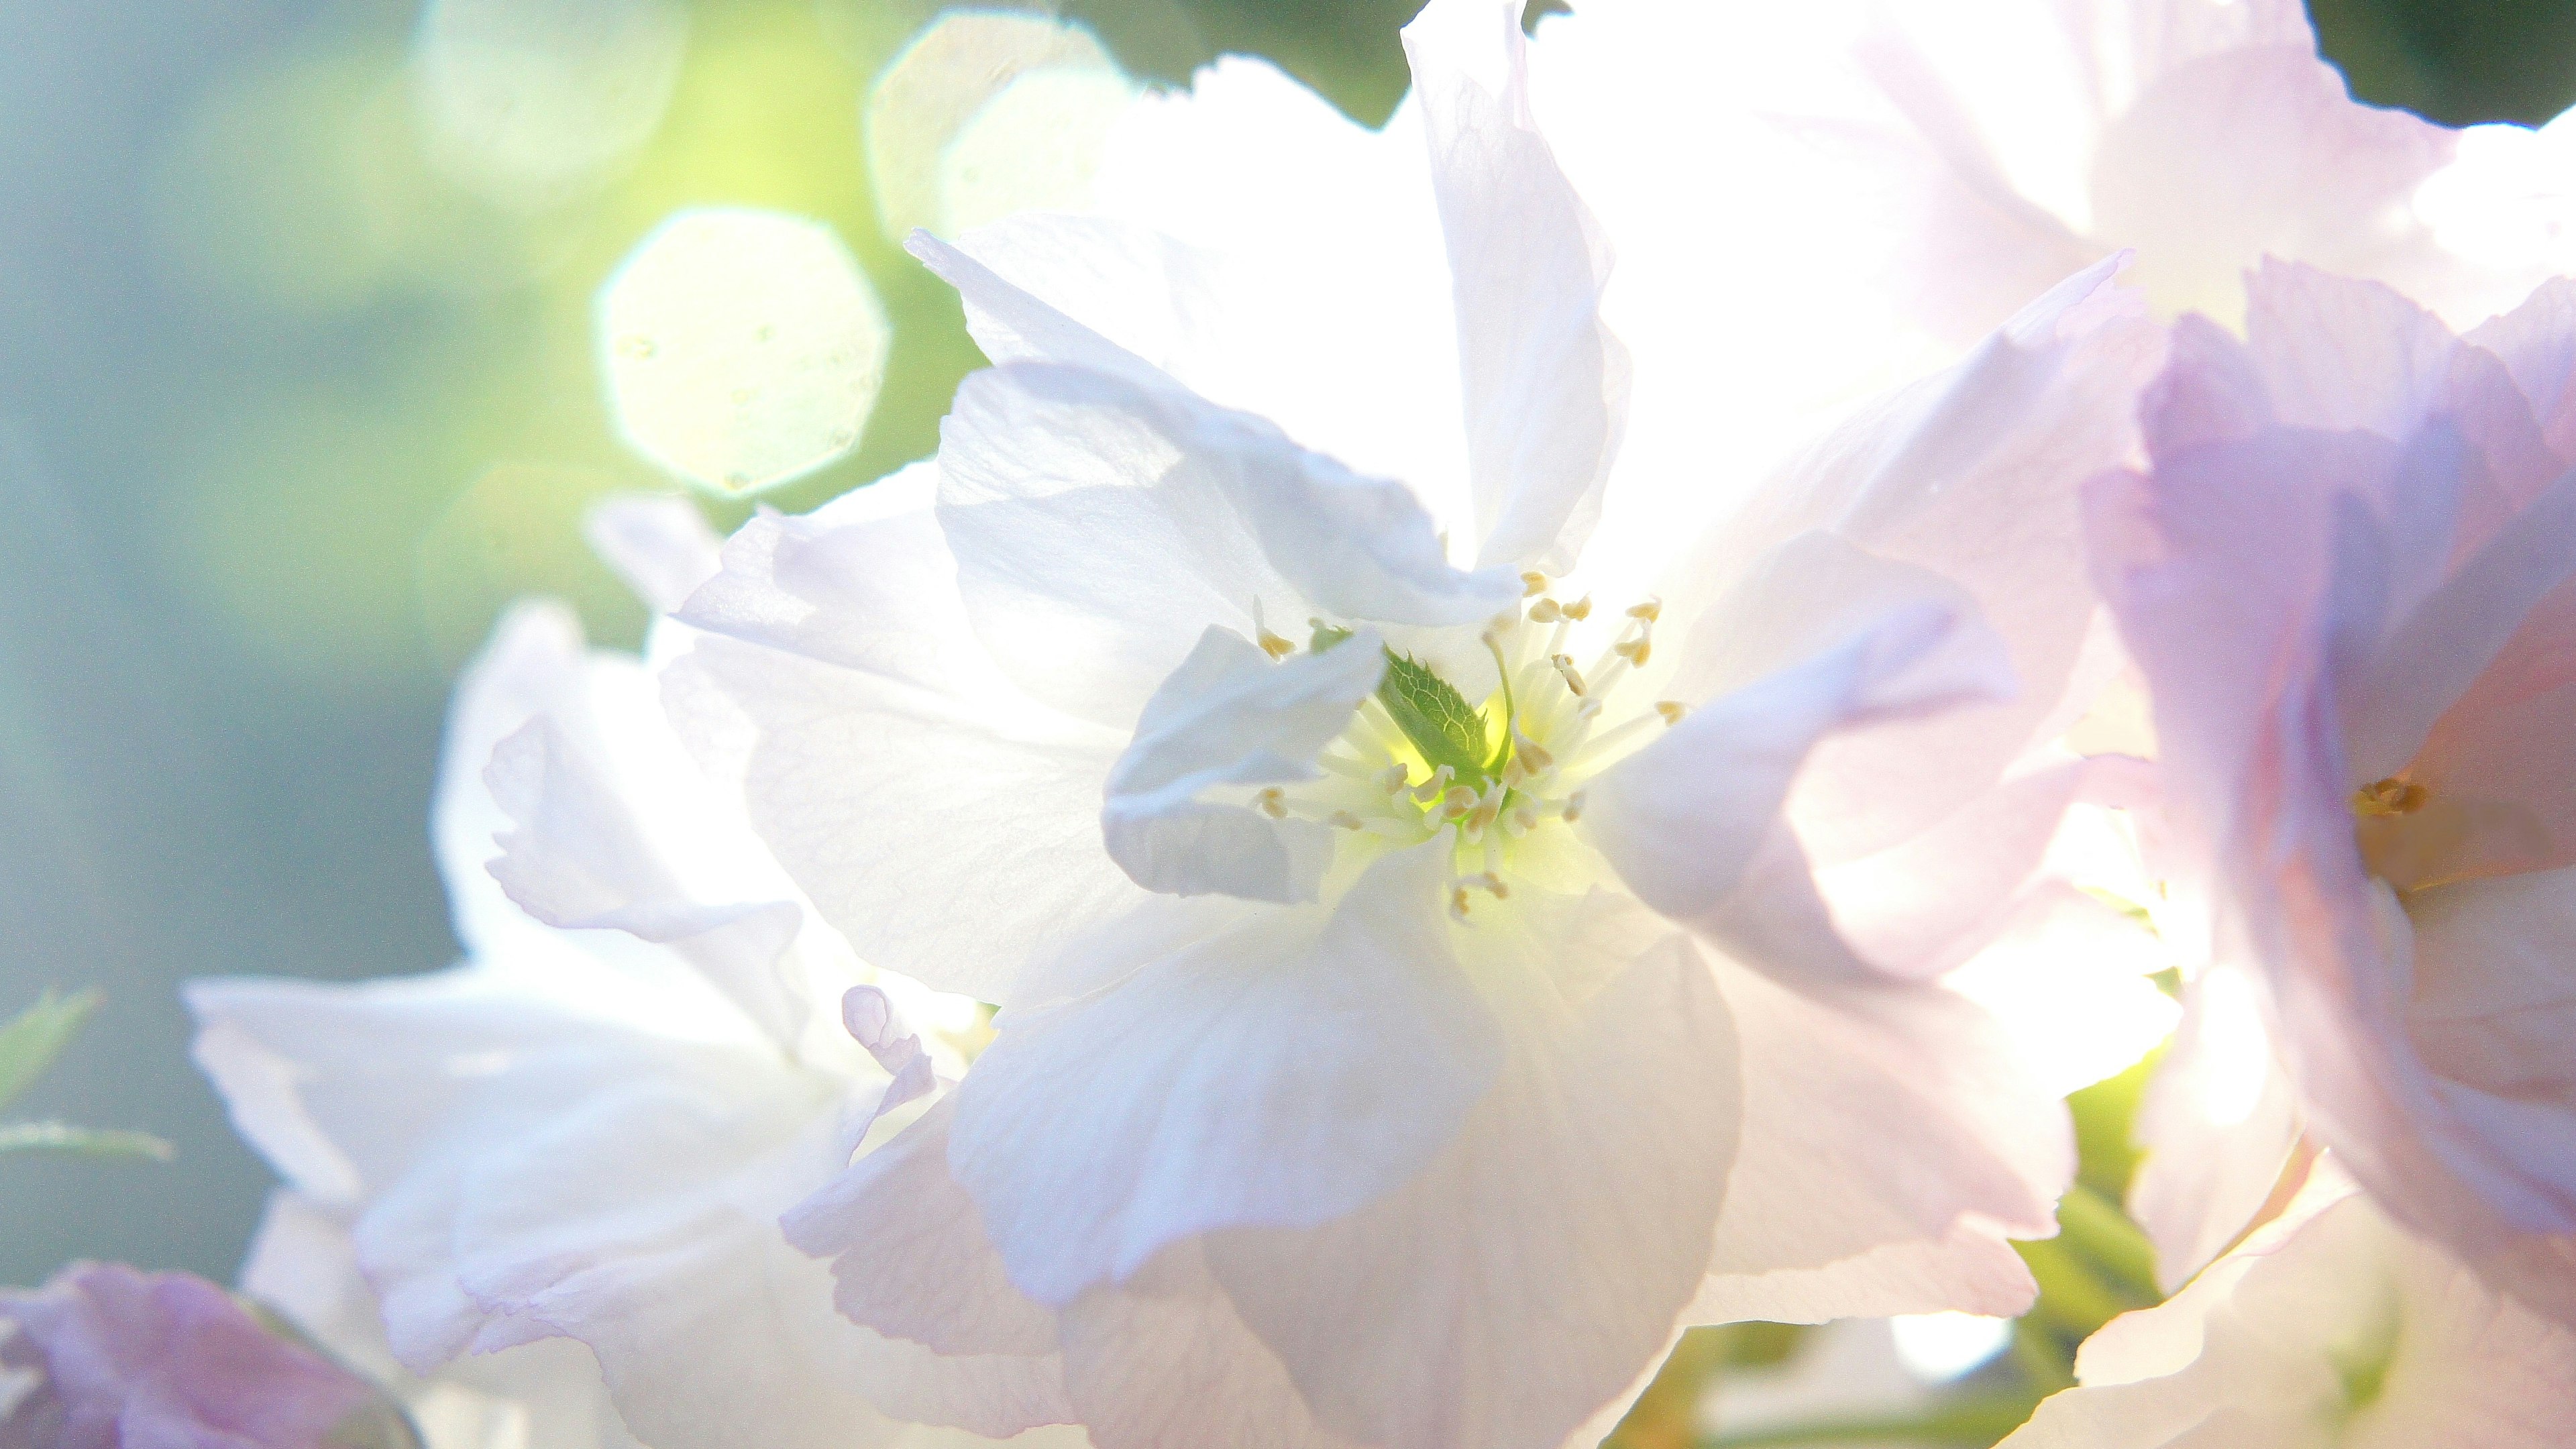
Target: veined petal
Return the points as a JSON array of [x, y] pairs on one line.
[[1011, 325], [1232, 715], [1545, 384], [1099, 526], [1683, 818], [2332, 1327], [1282, 1074], [909, 1254], [1163, 1361], [1893, 1139], [517, 1168], [1535, 1268]]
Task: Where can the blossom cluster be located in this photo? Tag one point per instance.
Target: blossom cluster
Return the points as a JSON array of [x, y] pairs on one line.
[[1491, 739]]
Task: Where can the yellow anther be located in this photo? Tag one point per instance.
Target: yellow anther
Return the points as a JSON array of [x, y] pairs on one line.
[[1273, 802], [1672, 710], [2391, 796], [1458, 902], [1392, 779], [1430, 790], [1526, 751], [1573, 807], [1457, 802], [1546, 611], [1274, 646], [1580, 609], [1650, 611], [1343, 819], [1533, 584], [1565, 669], [1635, 651]]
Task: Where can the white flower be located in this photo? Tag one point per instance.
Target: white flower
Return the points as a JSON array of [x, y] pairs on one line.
[[545, 1394], [1424, 987], [589, 1129], [2329, 1327]]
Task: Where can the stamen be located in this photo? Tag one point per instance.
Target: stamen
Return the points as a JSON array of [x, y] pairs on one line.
[[1565, 670], [1431, 789], [1528, 752], [1458, 902], [1347, 767], [1271, 644], [1273, 802], [1672, 710], [1650, 610], [1580, 609], [1345, 820], [1572, 810], [2392, 796], [1635, 651], [1546, 611], [1533, 583], [1392, 779]]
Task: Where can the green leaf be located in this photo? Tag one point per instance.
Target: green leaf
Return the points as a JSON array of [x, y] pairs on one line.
[[37, 1035], [1436, 717], [80, 1141]]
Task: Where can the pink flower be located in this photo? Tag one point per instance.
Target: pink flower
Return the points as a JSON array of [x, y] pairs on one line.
[[2346, 577], [109, 1358]]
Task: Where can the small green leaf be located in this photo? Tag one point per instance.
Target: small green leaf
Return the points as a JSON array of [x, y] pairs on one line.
[[37, 1035], [1436, 717], [80, 1141], [1326, 636]]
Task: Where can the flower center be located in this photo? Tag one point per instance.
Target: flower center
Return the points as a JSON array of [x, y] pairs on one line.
[[1419, 760], [2392, 796]]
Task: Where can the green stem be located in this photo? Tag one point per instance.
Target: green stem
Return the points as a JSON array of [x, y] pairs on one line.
[[2105, 1235]]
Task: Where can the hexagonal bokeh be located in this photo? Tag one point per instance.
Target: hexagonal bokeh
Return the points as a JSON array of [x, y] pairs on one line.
[[927, 95], [530, 101], [1033, 147], [741, 348]]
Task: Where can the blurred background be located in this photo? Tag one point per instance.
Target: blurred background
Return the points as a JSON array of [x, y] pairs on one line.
[[302, 340]]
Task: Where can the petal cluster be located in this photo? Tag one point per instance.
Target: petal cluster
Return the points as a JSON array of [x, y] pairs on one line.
[[1467, 758]]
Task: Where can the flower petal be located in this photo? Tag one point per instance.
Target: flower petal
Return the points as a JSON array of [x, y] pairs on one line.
[[520, 1167], [1827, 638], [1546, 385], [1893, 1138], [1232, 715], [853, 703], [1282, 1074], [1535, 1268], [1099, 526]]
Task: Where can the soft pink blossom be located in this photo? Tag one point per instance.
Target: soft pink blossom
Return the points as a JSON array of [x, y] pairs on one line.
[[126, 1360], [2346, 577]]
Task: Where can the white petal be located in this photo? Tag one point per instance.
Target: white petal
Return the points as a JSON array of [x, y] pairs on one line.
[[2217, 1125], [1535, 1268], [1892, 1139], [2329, 1328], [1013, 326], [1546, 385], [533, 664], [523, 1170], [1100, 526], [909, 1252], [1232, 715], [1164, 1362], [661, 546], [1283, 1074], [1845, 639]]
